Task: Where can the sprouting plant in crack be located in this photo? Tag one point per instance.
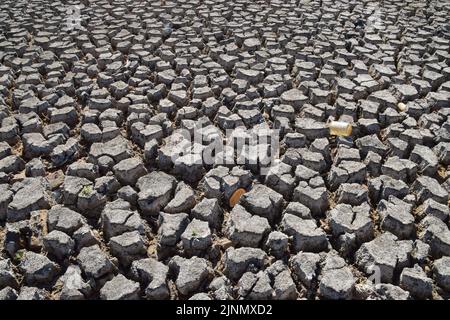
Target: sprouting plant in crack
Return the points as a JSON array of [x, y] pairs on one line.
[[19, 255], [87, 190]]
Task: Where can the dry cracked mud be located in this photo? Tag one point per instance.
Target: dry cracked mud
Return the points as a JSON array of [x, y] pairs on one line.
[[119, 179]]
